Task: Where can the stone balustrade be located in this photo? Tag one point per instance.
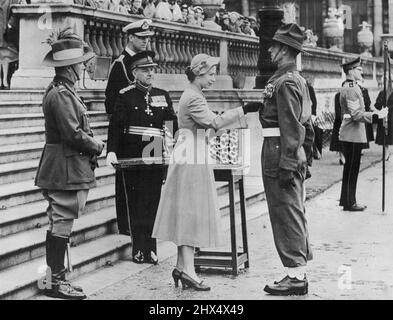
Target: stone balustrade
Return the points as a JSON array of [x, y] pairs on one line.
[[175, 44]]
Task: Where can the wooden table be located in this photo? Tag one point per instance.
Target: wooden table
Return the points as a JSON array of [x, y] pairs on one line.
[[235, 258], [222, 173]]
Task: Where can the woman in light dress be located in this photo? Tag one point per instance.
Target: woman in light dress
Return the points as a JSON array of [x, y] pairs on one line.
[[188, 213]]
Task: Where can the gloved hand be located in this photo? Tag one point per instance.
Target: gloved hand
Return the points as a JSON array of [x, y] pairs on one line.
[[111, 158], [383, 113], [252, 107], [93, 162], [101, 146], [286, 178]]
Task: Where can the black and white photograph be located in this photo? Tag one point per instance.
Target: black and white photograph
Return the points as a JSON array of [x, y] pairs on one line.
[[196, 155]]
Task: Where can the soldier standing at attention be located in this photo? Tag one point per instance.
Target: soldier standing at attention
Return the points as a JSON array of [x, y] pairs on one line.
[[139, 118], [121, 76], [66, 169], [353, 133], [288, 138]]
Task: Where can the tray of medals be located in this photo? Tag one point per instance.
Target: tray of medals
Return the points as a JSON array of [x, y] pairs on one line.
[[229, 149]]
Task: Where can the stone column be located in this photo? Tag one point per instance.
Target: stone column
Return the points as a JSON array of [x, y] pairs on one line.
[[390, 2], [332, 4], [35, 25], [270, 16], [245, 8], [378, 26]]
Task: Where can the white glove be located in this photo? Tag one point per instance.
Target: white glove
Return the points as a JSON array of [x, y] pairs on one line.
[[111, 158], [383, 113]]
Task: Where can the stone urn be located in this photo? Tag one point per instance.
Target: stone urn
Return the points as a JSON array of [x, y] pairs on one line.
[[333, 30], [365, 39]]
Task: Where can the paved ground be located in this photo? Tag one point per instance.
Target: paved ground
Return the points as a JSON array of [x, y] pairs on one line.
[[353, 254]]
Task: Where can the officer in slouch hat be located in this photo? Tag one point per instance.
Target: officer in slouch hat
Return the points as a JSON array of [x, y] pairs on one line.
[[286, 154], [66, 169], [141, 114]]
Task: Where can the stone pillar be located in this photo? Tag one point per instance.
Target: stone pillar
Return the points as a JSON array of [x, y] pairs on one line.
[[270, 16], [245, 8], [390, 2], [378, 26], [31, 74], [332, 4]]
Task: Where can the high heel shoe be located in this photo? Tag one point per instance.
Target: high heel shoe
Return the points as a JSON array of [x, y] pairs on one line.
[[176, 274], [187, 281]]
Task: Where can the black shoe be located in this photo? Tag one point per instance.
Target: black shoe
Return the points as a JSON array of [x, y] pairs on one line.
[[63, 290], [151, 258], [138, 257], [355, 207], [187, 281], [176, 276], [287, 287]]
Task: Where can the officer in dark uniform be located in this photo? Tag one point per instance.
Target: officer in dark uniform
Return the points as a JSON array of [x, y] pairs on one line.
[[140, 115], [353, 133], [66, 169], [121, 76], [286, 154]]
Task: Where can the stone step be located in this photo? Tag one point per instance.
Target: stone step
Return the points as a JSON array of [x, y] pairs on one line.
[[14, 136], [21, 95], [33, 215], [21, 282], [20, 106], [26, 170], [24, 246], [26, 151], [22, 120], [14, 194]]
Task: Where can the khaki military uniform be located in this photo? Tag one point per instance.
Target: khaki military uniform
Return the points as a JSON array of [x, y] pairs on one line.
[[288, 108], [66, 168]]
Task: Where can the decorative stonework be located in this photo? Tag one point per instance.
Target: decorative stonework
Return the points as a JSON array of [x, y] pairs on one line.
[[333, 30], [365, 39]]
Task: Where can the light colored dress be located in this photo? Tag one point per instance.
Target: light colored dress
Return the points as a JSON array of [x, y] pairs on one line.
[[188, 212]]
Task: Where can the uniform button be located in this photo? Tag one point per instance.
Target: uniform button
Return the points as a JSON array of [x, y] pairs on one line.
[[136, 108], [151, 124]]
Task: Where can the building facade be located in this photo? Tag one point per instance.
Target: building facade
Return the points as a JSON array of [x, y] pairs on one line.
[[311, 14]]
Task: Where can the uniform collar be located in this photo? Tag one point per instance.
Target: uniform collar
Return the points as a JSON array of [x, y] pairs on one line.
[[283, 70], [129, 51], [64, 80]]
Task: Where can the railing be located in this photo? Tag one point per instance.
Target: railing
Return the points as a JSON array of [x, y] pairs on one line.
[[174, 43]]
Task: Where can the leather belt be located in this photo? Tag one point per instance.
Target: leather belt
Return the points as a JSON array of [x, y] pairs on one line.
[[144, 131], [271, 132]]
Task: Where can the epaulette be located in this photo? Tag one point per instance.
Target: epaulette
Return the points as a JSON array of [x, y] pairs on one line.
[[290, 74], [124, 90]]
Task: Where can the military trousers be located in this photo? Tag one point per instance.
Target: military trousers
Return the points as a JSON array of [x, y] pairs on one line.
[[64, 207], [352, 153], [143, 193], [286, 210]]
